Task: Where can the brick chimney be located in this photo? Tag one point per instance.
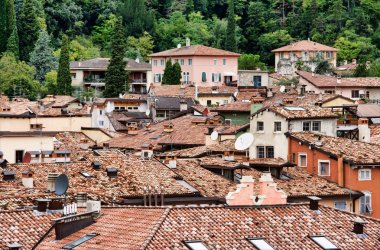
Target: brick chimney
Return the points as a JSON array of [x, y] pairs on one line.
[[268, 192], [171, 161]]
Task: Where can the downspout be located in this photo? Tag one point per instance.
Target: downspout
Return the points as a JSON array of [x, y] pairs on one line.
[[340, 171]]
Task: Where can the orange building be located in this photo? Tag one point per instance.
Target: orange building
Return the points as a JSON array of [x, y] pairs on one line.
[[350, 164]]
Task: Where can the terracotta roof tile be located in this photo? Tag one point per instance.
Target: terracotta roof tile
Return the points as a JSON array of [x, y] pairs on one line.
[[172, 90], [297, 112], [194, 50], [305, 45]]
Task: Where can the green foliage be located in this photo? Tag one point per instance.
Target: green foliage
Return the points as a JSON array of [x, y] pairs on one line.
[[189, 6], [28, 29], [172, 73], [50, 84], [142, 46], [42, 57], [116, 76], [361, 70], [16, 78], [273, 40], [3, 26], [374, 69], [177, 73], [12, 45], [63, 76], [231, 28], [323, 67], [250, 62], [102, 34], [82, 48]]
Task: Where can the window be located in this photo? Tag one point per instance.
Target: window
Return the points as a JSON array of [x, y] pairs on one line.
[[190, 61], [302, 160], [224, 61], [175, 60], [101, 123], [257, 81], [182, 61], [162, 62], [100, 112], [367, 94], [261, 244], [340, 205], [314, 126], [226, 102], [269, 151], [157, 77], [73, 76], [365, 203], [155, 62], [195, 245], [216, 77], [355, 94], [329, 91], [323, 242], [215, 61], [227, 121], [281, 55], [277, 126], [260, 126], [260, 152], [36, 126], [204, 78], [324, 168], [186, 77], [328, 54], [364, 174], [208, 102]]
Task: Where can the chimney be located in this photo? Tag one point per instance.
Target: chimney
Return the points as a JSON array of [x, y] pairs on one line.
[[171, 161], [168, 128], [182, 105], [364, 130], [56, 203], [179, 46], [51, 181], [345, 62], [314, 202], [312, 73], [243, 194], [146, 151], [338, 80], [14, 246], [42, 205], [9, 175], [96, 165], [93, 206], [81, 198], [228, 156], [359, 225], [210, 130], [27, 178], [132, 129], [187, 42], [354, 61], [111, 172], [137, 59]]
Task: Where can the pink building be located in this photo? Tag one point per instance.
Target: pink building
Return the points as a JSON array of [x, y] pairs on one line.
[[200, 65]]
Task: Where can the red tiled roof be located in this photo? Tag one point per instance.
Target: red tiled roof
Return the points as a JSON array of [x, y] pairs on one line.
[[323, 81], [194, 50], [305, 45], [172, 90], [23, 227], [296, 112], [234, 107]]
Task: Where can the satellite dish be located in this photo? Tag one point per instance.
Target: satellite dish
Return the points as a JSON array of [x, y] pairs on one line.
[[147, 112], [282, 89], [236, 94], [61, 184], [244, 141], [214, 135]]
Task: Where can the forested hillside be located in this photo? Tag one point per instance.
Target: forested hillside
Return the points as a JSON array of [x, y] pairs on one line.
[[32, 30]]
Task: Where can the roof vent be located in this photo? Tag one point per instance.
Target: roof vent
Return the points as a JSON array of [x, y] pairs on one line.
[[111, 172], [359, 225], [27, 178], [14, 246], [96, 165], [9, 175], [168, 128], [314, 202], [42, 205], [81, 198], [56, 203]]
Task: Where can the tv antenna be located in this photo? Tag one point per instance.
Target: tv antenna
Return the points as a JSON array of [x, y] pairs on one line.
[[214, 135]]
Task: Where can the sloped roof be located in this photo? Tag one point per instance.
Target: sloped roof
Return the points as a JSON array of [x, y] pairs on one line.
[[298, 112], [102, 64], [194, 50], [185, 91], [305, 45]]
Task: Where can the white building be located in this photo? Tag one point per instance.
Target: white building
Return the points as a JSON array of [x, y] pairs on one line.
[[269, 125]]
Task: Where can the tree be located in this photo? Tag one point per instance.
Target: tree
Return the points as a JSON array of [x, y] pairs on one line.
[[361, 70], [13, 41], [50, 83], [142, 46], [323, 67], [250, 62], [270, 41], [167, 79], [28, 29], [64, 77], [374, 69], [189, 6], [116, 75], [3, 26], [231, 28], [16, 78], [102, 34], [177, 73], [42, 57], [12, 45]]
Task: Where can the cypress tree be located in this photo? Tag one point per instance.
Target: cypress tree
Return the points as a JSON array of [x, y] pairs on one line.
[[189, 6], [28, 29], [231, 27], [13, 40], [3, 25], [42, 56], [64, 76], [168, 73], [116, 75], [12, 45], [177, 73]]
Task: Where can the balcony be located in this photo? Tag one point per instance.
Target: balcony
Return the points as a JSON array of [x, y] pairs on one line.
[[139, 81]]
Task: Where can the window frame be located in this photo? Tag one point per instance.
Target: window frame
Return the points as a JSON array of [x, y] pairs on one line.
[[190, 61], [257, 127], [162, 62], [275, 129], [182, 61], [365, 170], [258, 153], [224, 61], [257, 246], [345, 205], [353, 93], [323, 161], [155, 62], [313, 237], [267, 152], [367, 199], [299, 159], [189, 242], [259, 83], [204, 77], [215, 62]]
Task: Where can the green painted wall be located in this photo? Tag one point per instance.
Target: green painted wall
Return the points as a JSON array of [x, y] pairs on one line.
[[236, 118]]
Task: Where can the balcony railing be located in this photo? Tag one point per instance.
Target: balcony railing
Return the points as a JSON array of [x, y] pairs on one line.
[[94, 80], [139, 80]]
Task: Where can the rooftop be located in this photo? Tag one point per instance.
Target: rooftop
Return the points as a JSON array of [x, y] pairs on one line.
[[324, 81], [234, 107], [305, 45], [185, 91], [297, 112], [102, 64], [355, 152], [194, 50]]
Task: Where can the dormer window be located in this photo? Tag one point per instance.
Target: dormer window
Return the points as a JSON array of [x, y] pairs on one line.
[[195, 245], [261, 244]]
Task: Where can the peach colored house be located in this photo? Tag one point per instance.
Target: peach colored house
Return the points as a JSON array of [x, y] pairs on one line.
[[200, 65], [305, 52]]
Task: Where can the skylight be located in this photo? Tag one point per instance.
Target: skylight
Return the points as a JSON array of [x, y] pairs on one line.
[[85, 174], [323, 242], [195, 245], [79, 241], [261, 244], [294, 108]]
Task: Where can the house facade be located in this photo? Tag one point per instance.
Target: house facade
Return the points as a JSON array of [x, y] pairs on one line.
[[306, 53], [269, 125], [91, 73], [355, 88], [200, 65], [255, 78], [350, 164]]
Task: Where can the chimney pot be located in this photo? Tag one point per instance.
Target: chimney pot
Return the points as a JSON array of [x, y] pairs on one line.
[[359, 225], [314, 200]]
